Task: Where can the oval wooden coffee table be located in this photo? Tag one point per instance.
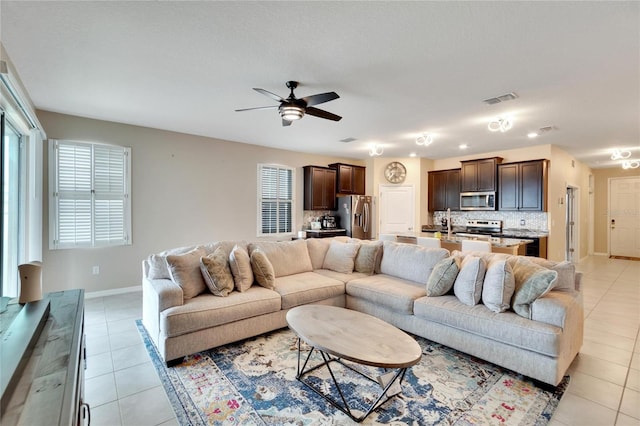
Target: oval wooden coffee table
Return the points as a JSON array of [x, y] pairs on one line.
[[338, 333]]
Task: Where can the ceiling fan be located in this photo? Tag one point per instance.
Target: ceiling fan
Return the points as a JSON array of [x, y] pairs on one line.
[[292, 108]]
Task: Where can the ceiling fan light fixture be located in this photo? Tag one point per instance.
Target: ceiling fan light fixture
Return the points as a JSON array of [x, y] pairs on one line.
[[291, 112]]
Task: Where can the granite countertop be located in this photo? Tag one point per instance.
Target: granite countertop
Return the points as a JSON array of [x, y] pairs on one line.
[[519, 232], [325, 230], [495, 241]]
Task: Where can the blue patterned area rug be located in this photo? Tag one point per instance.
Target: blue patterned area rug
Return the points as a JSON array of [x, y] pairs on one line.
[[253, 382]]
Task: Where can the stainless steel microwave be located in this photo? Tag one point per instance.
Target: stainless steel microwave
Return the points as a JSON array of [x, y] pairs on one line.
[[477, 201]]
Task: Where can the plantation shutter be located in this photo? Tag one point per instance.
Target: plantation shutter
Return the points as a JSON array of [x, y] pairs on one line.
[[91, 195], [275, 200]]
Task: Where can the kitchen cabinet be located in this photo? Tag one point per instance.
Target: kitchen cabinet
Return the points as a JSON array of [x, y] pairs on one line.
[[523, 186], [479, 175], [319, 188], [444, 190], [350, 178]]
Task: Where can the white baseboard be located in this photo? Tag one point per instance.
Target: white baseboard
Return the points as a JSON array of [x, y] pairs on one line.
[[113, 292], [601, 254]]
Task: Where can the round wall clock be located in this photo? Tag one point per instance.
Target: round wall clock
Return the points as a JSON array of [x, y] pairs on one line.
[[395, 172]]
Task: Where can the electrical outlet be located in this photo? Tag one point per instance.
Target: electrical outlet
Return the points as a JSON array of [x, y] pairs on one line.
[[96, 270], [522, 222]]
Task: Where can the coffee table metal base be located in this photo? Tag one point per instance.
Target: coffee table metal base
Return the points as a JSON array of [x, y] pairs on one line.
[[388, 388]]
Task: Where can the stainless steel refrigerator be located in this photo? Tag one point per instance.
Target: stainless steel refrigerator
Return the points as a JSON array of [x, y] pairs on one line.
[[355, 213]]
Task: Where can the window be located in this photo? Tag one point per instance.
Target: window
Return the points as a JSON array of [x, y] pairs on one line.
[[11, 207], [90, 204], [275, 200]]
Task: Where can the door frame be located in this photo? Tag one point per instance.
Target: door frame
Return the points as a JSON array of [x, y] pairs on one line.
[[381, 189]]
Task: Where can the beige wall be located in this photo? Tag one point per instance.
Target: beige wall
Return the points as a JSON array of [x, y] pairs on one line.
[[185, 190], [601, 205]]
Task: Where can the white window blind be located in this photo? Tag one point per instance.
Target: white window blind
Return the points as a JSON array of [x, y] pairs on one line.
[[90, 195], [275, 199]]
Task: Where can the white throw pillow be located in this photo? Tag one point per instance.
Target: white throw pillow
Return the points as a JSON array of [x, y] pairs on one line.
[[185, 271], [341, 257], [499, 285], [468, 284]]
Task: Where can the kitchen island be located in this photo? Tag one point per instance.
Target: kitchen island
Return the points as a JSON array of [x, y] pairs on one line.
[[454, 242]]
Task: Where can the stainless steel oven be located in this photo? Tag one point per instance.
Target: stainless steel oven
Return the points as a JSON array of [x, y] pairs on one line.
[[477, 201]]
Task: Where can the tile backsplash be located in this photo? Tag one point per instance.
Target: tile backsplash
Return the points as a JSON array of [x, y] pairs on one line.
[[309, 216], [532, 220]]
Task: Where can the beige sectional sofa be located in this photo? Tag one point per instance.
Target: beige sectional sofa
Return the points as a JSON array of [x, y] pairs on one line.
[[389, 281]]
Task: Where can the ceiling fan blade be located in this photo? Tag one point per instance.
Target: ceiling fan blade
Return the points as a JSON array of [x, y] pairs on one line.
[[286, 122], [322, 114], [265, 107], [320, 98], [269, 94]]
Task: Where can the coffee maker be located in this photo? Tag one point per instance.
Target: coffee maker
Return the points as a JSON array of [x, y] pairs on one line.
[[328, 222]]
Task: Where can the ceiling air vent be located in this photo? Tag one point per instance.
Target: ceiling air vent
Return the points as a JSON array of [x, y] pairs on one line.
[[347, 140], [502, 98]]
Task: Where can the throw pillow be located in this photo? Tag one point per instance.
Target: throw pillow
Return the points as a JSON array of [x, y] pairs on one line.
[[442, 278], [216, 273], [499, 285], [532, 282], [368, 257], [262, 269], [240, 265], [185, 271], [341, 257], [468, 284]]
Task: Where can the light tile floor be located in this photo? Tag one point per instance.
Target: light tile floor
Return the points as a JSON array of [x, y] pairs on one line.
[[123, 388]]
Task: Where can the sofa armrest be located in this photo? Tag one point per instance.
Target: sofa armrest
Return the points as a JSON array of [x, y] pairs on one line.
[[558, 308], [578, 281], [158, 295]]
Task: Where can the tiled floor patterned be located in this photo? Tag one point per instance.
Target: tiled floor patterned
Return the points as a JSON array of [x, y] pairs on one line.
[[123, 388]]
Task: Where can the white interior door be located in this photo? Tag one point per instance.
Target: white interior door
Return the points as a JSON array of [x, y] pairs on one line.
[[397, 209], [624, 211]]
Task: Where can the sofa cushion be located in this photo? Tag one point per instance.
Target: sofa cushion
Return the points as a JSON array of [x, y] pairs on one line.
[[345, 278], [394, 293], [468, 284], [207, 310], [409, 261], [216, 273], [185, 271], [286, 257], [506, 327], [499, 285], [341, 257], [566, 272], [531, 281], [262, 269], [368, 258], [240, 265], [442, 278], [318, 248], [306, 287]]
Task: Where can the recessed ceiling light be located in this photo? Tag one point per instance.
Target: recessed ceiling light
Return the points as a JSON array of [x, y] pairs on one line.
[[463, 146], [532, 135], [413, 154]]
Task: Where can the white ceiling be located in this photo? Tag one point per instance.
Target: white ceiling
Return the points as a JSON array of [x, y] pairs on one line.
[[400, 68]]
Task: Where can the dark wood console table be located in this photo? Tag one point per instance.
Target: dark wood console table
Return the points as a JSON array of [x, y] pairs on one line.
[[49, 387]]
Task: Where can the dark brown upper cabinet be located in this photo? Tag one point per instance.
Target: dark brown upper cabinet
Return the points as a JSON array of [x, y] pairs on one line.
[[351, 178], [479, 175], [444, 190], [319, 188], [523, 186]]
